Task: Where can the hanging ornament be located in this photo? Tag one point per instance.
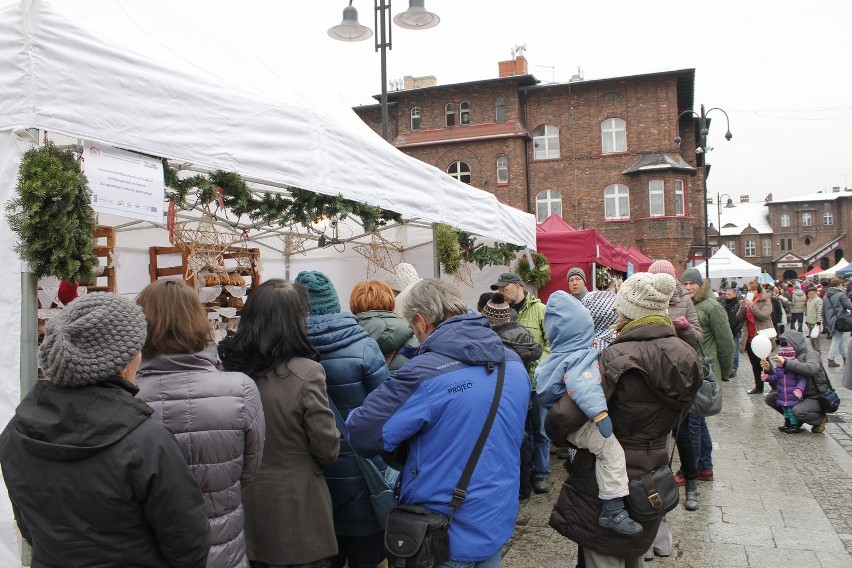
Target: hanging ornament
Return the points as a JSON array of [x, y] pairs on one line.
[[378, 254], [205, 243], [464, 274], [294, 242]]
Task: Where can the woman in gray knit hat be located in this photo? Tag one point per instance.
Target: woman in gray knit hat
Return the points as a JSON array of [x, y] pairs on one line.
[[92, 479]]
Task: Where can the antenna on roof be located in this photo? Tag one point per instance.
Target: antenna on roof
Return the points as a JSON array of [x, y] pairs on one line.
[[519, 50]]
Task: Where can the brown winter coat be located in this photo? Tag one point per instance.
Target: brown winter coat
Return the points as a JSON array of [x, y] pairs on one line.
[[649, 378], [288, 506], [762, 310]]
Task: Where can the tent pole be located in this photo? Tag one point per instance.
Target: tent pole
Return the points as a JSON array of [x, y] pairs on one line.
[[593, 274], [436, 266], [29, 358]]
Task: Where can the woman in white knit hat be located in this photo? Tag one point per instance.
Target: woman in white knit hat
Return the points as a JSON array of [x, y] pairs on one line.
[[404, 277], [650, 378]]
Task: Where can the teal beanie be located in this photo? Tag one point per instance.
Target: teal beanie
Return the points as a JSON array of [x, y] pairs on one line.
[[321, 292]]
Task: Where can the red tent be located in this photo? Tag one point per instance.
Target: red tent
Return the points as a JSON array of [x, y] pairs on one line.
[[809, 273]]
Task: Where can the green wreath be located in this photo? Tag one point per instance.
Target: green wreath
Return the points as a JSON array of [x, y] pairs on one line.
[[447, 248], [52, 215], [539, 274]]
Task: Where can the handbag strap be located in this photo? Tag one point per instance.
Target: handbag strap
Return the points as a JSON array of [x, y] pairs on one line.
[[460, 492], [372, 476]]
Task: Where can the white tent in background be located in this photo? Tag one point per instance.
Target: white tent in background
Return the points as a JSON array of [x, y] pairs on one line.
[[60, 78], [831, 272], [725, 264]]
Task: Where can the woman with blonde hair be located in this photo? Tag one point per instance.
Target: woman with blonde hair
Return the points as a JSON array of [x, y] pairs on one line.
[[373, 304], [215, 416]]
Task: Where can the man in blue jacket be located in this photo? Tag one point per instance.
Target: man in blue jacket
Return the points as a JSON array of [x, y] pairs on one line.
[[433, 408]]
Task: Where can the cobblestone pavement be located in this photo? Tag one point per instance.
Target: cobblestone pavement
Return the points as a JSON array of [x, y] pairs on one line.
[[777, 501]]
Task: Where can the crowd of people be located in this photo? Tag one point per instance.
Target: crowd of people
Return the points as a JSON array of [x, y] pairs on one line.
[[154, 446]]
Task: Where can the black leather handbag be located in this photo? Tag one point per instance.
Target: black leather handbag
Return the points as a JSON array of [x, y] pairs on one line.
[[652, 494]]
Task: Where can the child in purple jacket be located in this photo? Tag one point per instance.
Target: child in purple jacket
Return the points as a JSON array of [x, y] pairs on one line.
[[790, 389]]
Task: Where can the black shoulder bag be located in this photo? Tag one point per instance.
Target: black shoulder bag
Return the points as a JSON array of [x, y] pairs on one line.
[[416, 537], [654, 493]]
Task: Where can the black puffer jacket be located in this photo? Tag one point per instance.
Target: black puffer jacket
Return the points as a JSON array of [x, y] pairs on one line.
[[649, 377], [94, 481], [518, 339]]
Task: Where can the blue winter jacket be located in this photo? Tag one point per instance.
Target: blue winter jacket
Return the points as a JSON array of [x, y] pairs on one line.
[[354, 367], [572, 365], [438, 402]]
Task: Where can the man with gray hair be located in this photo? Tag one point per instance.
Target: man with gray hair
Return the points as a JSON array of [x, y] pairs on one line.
[[432, 410]]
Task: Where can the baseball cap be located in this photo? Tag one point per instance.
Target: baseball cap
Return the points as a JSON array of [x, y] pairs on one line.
[[507, 278]]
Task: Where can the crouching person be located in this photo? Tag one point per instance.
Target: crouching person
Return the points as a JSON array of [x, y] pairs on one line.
[[93, 479], [432, 411]]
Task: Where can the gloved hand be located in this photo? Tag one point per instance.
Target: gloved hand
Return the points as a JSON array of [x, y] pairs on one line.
[[764, 377], [798, 393], [680, 322], [605, 426]]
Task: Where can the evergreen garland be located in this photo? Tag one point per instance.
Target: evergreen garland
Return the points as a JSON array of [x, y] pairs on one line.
[[539, 274], [447, 247], [52, 215], [455, 246], [301, 206]]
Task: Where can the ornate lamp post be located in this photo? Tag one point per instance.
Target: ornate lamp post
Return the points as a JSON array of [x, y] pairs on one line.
[[719, 206], [415, 18], [702, 150]]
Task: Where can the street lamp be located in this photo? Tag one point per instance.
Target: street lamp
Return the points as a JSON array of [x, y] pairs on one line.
[[728, 205], [415, 18], [702, 150]]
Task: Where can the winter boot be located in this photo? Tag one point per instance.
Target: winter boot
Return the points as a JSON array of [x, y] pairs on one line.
[[613, 516], [785, 426], [691, 495]]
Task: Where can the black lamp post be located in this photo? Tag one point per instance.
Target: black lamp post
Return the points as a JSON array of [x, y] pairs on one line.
[[415, 18], [702, 150], [728, 205]]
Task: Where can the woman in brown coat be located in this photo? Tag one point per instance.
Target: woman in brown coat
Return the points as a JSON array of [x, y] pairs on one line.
[[650, 378], [288, 506], [757, 315]]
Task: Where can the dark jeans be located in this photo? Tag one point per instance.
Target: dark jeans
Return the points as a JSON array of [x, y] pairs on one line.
[[796, 321], [360, 551], [526, 462], [755, 368], [685, 450], [736, 364]]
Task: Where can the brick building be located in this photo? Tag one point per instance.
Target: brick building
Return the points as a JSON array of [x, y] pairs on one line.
[[600, 153]]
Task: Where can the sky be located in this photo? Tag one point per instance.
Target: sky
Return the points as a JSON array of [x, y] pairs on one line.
[[779, 69]]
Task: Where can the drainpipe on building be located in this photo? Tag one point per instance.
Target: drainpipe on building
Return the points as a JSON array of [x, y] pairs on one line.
[[523, 95]]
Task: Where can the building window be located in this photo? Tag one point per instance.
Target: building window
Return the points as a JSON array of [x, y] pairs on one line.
[[613, 136], [785, 220], [656, 198], [807, 220], [464, 112], [547, 203], [616, 202], [460, 171], [787, 244], [827, 218], [680, 201], [546, 142], [749, 248], [415, 119], [499, 109], [807, 242], [732, 246], [502, 170], [450, 114], [767, 247]]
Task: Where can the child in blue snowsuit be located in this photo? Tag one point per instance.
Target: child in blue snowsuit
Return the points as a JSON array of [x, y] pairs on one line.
[[791, 390], [572, 369]]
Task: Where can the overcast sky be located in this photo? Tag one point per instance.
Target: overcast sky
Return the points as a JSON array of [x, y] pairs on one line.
[[780, 69]]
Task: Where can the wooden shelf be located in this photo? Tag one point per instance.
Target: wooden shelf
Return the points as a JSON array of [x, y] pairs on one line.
[[104, 248]]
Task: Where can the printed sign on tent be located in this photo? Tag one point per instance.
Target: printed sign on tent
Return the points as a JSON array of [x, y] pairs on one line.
[[124, 183]]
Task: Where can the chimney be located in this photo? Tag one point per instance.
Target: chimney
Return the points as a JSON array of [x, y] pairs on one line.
[[743, 198], [835, 189], [409, 82], [768, 198], [513, 67]]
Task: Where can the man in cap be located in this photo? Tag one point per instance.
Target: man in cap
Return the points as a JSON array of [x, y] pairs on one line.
[[577, 283], [530, 312]]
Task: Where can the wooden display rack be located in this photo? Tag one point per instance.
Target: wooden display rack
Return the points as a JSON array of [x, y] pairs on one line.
[[249, 269], [104, 248]]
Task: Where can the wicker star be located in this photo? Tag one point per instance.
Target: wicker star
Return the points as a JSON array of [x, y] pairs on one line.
[[294, 242], [205, 243], [465, 274], [378, 254]]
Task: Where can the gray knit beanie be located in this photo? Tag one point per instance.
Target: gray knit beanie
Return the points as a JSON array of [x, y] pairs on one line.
[[576, 271], [692, 275], [93, 338]]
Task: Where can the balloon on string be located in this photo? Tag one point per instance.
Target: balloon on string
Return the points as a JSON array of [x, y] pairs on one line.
[[761, 346]]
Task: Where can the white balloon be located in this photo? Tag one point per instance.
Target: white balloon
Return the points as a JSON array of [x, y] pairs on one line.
[[761, 346]]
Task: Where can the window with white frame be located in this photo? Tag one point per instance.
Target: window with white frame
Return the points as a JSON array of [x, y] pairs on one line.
[[546, 142], [499, 109], [750, 248], [450, 114], [807, 219], [785, 220], [415, 119], [613, 136], [732, 246], [786, 244], [767, 247], [616, 202], [547, 203], [680, 200], [656, 198], [460, 171], [464, 112], [502, 170], [827, 218]]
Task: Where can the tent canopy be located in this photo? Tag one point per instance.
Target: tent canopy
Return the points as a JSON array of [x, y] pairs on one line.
[[829, 272], [725, 264]]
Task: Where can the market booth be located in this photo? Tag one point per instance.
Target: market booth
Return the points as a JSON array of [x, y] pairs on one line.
[[62, 81], [725, 264]]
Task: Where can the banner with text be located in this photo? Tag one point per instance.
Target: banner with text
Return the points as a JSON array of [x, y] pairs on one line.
[[124, 183]]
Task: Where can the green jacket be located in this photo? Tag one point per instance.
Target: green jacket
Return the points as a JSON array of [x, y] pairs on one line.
[[718, 341], [531, 316]]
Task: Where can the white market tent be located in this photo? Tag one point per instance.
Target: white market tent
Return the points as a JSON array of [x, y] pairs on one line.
[[60, 78], [831, 272], [725, 264]]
